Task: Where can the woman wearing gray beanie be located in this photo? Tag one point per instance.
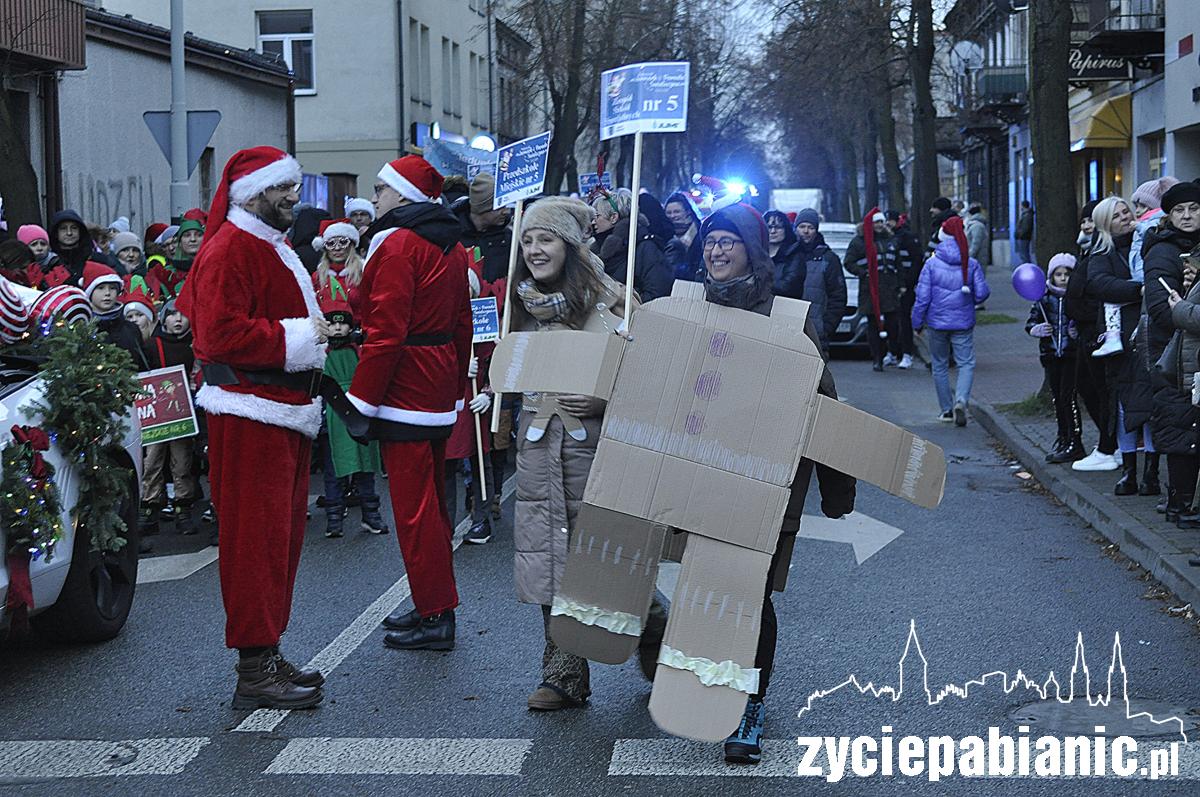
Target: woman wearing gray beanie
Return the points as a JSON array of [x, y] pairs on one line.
[[559, 285]]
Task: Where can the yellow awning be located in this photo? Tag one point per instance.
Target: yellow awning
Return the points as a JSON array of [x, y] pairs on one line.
[[1110, 126]]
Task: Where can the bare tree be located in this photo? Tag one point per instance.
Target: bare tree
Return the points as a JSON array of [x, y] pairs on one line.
[[1050, 40], [925, 184]]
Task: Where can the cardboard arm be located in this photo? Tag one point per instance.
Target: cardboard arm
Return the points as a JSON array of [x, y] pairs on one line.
[[875, 451], [563, 361]]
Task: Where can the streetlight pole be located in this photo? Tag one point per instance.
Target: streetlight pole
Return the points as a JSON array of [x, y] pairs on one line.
[[179, 135]]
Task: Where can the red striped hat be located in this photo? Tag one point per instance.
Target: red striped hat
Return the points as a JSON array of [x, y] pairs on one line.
[[64, 303], [14, 315]]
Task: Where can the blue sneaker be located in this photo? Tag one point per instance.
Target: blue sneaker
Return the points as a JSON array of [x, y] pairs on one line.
[[744, 746]]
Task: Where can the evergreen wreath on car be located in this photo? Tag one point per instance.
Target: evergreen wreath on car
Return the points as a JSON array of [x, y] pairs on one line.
[[89, 385], [30, 513]]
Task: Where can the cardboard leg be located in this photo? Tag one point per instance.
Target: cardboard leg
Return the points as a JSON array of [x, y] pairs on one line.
[[612, 565], [715, 616]]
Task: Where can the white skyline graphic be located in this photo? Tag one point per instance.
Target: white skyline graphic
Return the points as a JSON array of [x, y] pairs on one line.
[[1045, 689]]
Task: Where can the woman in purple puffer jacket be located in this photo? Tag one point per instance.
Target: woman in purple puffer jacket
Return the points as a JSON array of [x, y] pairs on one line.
[[950, 286]]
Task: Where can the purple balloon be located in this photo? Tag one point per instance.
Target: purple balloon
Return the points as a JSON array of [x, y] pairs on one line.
[[1029, 282]]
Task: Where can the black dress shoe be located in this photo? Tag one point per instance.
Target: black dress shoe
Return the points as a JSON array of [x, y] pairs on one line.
[[434, 633], [877, 367], [402, 621]]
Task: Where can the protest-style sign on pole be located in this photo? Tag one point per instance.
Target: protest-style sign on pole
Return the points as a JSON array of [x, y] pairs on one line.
[[590, 181], [485, 321], [642, 98], [520, 174]]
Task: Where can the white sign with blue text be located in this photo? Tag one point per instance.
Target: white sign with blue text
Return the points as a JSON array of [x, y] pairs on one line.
[[644, 98], [521, 169], [590, 181]]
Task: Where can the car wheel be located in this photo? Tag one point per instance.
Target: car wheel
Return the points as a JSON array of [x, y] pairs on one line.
[[98, 592]]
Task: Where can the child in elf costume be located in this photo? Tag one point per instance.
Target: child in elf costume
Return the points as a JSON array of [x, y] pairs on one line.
[[170, 274], [171, 345], [346, 461]]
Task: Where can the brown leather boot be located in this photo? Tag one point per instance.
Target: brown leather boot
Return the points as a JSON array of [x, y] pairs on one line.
[[262, 684], [296, 675]]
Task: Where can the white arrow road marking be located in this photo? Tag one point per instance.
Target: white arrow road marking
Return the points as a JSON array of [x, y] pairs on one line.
[[265, 720], [34, 760], [176, 566], [868, 535], [475, 757]]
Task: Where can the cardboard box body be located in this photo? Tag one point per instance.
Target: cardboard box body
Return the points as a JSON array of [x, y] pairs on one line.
[[710, 411]]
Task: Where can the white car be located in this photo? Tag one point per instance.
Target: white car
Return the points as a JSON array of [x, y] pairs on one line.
[[79, 595], [852, 329]]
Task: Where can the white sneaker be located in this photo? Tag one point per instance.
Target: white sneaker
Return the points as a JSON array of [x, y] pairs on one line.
[[1096, 461], [1111, 345], [905, 362], [889, 360]]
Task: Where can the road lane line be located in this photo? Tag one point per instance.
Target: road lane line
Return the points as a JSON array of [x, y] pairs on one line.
[[69, 758], [474, 757], [266, 720], [174, 567], [681, 758]]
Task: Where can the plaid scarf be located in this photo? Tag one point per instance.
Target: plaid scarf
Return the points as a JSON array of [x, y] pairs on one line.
[[547, 308]]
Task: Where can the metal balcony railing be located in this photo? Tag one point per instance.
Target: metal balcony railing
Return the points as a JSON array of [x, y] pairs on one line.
[[1131, 16], [1000, 85], [48, 31]]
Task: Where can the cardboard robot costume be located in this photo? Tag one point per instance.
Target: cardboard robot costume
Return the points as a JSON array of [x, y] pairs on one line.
[[694, 440]]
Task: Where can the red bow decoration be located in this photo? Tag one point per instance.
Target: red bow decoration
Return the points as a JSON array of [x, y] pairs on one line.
[[33, 435], [38, 441]]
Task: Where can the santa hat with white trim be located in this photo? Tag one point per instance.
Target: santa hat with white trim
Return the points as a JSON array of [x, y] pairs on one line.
[[97, 274], [413, 178], [247, 174], [358, 203], [335, 228]]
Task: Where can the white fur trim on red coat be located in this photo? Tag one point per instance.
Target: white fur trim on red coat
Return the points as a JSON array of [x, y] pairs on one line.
[[402, 184], [304, 352], [411, 417], [302, 418], [370, 410], [248, 222], [248, 186]]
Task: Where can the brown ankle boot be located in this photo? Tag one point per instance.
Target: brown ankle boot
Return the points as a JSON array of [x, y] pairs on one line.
[[262, 684], [296, 675]]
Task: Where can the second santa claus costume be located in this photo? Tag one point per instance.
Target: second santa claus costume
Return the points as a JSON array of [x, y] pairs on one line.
[[254, 320], [411, 379]]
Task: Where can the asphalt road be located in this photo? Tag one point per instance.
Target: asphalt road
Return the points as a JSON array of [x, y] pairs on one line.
[[999, 578]]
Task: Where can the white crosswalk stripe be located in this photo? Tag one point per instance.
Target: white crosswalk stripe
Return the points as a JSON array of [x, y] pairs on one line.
[[681, 758], [68, 758], [472, 757]]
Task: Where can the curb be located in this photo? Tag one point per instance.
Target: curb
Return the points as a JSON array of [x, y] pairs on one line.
[[1166, 563]]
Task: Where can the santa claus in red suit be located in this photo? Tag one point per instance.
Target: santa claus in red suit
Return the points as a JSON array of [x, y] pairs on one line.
[[411, 378], [259, 336]]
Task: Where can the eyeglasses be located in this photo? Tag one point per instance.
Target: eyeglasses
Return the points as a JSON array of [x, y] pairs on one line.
[[286, 188], [337, 243], [726, 244]]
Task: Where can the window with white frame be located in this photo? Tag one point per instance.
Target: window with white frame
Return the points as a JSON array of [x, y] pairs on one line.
[[289, 35]]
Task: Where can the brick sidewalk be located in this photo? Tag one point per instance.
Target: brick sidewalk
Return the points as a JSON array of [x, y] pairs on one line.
[[1007, 372]]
